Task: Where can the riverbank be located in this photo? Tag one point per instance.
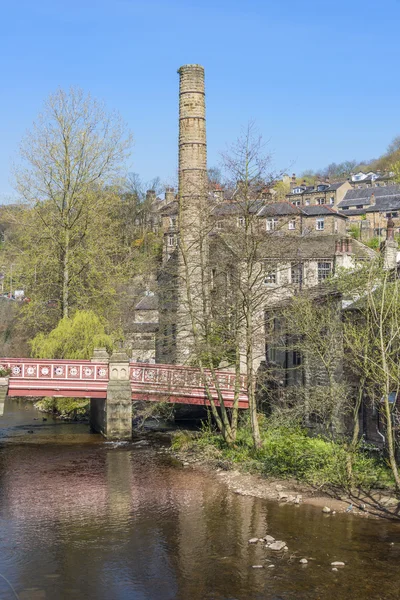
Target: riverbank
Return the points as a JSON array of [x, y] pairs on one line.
[[242, 478]]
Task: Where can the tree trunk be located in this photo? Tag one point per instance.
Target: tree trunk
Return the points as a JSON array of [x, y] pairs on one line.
[[65, 290]]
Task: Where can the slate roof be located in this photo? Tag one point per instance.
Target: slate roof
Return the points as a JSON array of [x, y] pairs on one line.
[[384, 204], [237, 208], [322, 210], [363, 195], [353, 212], [278, 209], [313, 189], [308, 248], [147, 303], [169, 209]]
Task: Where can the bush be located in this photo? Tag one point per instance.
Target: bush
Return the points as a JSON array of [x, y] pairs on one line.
[[373, 243], [73, 338], [288, 451]]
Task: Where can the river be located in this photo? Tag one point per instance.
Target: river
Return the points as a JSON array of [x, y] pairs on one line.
[[81, 518]]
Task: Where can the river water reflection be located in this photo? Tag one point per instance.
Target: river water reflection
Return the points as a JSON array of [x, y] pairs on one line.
[[84, 519]]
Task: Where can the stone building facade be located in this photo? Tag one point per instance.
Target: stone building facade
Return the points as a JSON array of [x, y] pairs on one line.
[[299, 246]]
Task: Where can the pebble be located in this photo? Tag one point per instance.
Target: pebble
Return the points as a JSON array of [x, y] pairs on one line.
[[282, 496], [337, 563], [271, 566], [253, 541], [334, 569], [326, 509], [258, 566], [303, 561]]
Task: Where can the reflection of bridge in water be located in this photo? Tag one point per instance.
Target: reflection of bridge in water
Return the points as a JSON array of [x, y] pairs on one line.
[[111, 383]]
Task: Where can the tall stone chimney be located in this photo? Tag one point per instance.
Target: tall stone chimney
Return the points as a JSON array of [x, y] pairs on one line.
[[193, 206], [192, 147]]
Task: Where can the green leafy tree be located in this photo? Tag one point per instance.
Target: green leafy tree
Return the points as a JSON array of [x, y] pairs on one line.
[[73, 338], [74, 149]]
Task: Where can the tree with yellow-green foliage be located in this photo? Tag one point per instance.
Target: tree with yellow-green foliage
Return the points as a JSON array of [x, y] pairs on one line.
[[62, 242]]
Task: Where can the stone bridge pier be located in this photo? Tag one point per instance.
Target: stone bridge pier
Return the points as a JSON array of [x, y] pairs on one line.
[[112, 416]]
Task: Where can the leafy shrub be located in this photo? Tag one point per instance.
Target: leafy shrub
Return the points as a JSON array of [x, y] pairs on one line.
[[73, 338], [288, 451], [64, 407], [373, 243], [5, 372]]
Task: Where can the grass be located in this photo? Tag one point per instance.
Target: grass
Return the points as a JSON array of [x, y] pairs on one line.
[[288, 451]]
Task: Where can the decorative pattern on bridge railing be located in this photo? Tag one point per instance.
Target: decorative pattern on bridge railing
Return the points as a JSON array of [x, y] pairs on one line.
[[183, 378], [57, 369]]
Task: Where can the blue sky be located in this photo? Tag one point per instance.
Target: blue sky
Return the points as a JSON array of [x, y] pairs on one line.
[[320, 78]]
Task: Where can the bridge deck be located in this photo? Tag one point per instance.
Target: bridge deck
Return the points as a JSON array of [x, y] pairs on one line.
[[88, 379]]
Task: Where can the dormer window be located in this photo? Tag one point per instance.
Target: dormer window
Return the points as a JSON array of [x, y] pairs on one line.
[[298, 190], [321, 188]]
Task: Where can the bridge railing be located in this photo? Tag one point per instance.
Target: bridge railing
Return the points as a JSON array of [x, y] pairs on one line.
[[86, 378]]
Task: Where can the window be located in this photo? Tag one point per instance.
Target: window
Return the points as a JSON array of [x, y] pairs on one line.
[[335, 226], [332, 200], [320, 224], [296, 358], [292, 224], [324, 271], [297, 273], [171, 240], [219, 224], [172, 222], [213, 277], [307, 202], [272, 224], [320, 201], [297, 203], [270, 274], [241, 222]]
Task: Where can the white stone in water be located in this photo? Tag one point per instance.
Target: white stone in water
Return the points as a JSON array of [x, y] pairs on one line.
[[303, 561], [271, 566], [277, 545], [258, 566], [334, 569], [253, 541], [337, 563], [269, 539], [326, 509]]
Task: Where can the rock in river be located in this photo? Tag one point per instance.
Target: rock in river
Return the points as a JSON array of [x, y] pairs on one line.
[[277, 545]]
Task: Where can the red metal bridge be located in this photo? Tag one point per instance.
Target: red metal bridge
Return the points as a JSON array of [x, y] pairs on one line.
[[89, 379]]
